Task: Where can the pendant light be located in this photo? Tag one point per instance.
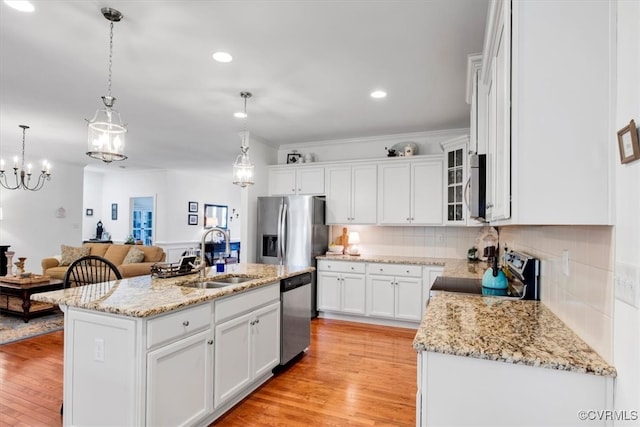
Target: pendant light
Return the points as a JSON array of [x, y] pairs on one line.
[[23, 176], [243, 168], [106, 132]]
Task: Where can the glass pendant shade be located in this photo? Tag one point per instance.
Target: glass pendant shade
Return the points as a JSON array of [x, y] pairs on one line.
[[106, 134], [243, 168]]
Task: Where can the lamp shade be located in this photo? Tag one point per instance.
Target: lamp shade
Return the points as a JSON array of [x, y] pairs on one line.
[[354, 238]]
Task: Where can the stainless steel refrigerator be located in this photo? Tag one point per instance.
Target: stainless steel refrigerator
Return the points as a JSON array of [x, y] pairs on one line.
[[292, 232]]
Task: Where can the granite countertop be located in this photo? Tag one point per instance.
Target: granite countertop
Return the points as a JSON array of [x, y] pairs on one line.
[[144, 296], [388, 259], [512, 331], [453, 267]]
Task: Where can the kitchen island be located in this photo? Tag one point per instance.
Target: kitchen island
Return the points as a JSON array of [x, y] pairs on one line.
[[148, 351], [507, 362]]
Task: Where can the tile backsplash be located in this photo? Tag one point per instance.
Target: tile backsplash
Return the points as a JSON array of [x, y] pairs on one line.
[[583, 299], [436, 242]]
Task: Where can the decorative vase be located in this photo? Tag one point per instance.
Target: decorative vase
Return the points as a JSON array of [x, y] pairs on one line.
[[20, 265], [9, 255]]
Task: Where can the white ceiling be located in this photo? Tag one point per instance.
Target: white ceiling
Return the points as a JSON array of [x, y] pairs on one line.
[[309, 64]]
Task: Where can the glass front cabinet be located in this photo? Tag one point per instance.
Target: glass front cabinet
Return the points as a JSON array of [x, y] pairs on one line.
[[455, 179]]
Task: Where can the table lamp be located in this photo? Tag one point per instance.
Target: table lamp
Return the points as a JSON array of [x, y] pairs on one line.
[[354, 241]]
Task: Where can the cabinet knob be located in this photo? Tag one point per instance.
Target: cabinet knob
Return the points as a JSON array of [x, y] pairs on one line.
[[293, 190], [257, 320], [185, 323], [299, 189], [381, 270], [210, 342], [408, 219]]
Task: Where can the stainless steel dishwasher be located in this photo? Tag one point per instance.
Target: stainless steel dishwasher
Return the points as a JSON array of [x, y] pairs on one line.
[[295, 337]]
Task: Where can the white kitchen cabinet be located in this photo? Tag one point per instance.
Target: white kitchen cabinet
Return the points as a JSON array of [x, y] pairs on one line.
[[456, 175], [138, 366], [497, 393], [300, 180], [547, 150], [247, 337], [341, 287], [429, 275], [394, 291], [476, 98], [180, 381], [410, 192], [351, 194]]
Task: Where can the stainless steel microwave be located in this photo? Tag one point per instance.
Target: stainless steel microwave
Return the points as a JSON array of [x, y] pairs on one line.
[[477, 187]]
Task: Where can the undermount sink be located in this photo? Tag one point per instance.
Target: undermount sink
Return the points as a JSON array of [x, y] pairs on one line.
[[219, 283], [232, 280]]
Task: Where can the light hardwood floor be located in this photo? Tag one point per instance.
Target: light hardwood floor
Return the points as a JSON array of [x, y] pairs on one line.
[[353, 374]]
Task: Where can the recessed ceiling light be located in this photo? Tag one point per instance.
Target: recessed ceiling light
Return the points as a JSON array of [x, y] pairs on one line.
[[21, 5], [222, 57], [240, 115], [378, 94]]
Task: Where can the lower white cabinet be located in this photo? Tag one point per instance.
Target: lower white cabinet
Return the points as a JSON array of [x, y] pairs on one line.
[[341, 287], [180, 381], [394, 291], [497, 393], [247, 347], [182, 368]]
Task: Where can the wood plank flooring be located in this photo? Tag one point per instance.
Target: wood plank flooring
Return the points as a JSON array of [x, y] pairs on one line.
[[353, 375]]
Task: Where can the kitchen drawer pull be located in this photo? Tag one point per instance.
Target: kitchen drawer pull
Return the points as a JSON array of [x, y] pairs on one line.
[[381, 269], [185, 323]]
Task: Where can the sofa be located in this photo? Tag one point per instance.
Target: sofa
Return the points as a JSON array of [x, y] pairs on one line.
[[116, 253]]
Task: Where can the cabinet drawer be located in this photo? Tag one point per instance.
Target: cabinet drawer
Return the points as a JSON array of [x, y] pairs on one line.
[[396, 269], [246, 301], [341, 266], [177, 325]]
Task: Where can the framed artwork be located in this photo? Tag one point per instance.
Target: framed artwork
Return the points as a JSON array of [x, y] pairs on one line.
[[628, 143], [294, 158], [89, 212], [193, 206], [114, 211], [193, 219]]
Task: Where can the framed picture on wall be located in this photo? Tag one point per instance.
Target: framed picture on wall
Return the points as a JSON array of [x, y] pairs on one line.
[[193, 206], [193, 219], [114, 211], [628, 143]]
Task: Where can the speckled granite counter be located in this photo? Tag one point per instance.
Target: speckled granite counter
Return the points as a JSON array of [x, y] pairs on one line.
[[453, 267], [144, 296], [512, 331]]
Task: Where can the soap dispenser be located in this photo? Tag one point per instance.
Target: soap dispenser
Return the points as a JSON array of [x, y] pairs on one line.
[[220, 264]]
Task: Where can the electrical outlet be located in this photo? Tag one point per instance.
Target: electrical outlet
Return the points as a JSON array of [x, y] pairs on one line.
[[565, 262], [98, 350], [627, 284], [440, 238]]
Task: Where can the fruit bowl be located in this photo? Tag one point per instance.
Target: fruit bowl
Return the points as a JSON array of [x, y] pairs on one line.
[[336, 248]]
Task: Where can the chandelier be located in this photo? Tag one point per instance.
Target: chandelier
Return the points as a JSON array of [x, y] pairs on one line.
[[243, 168], [23, 176], [106, 133]]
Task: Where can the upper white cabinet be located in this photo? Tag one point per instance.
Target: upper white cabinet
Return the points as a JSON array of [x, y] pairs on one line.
[[547, 76], [410, 192], [288, 180], [351, 194], [476, 98]]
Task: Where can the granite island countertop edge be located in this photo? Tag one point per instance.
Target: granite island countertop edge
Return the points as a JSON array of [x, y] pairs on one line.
[[144, 296]]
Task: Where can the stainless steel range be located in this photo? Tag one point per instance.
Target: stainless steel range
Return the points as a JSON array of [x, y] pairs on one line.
[[523, 272]]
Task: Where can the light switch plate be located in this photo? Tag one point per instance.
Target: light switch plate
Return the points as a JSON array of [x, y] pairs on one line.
[[627, 284], [565, 262]]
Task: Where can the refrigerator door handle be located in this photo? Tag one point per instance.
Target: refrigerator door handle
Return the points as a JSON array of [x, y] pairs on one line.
[[283, 240], [279, 233]]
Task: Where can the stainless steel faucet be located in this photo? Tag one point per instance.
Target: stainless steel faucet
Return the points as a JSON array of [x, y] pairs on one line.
[[227, 250]]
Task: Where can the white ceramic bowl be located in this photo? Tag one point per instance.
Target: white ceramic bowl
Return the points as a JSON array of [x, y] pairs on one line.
[[336, 248]]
